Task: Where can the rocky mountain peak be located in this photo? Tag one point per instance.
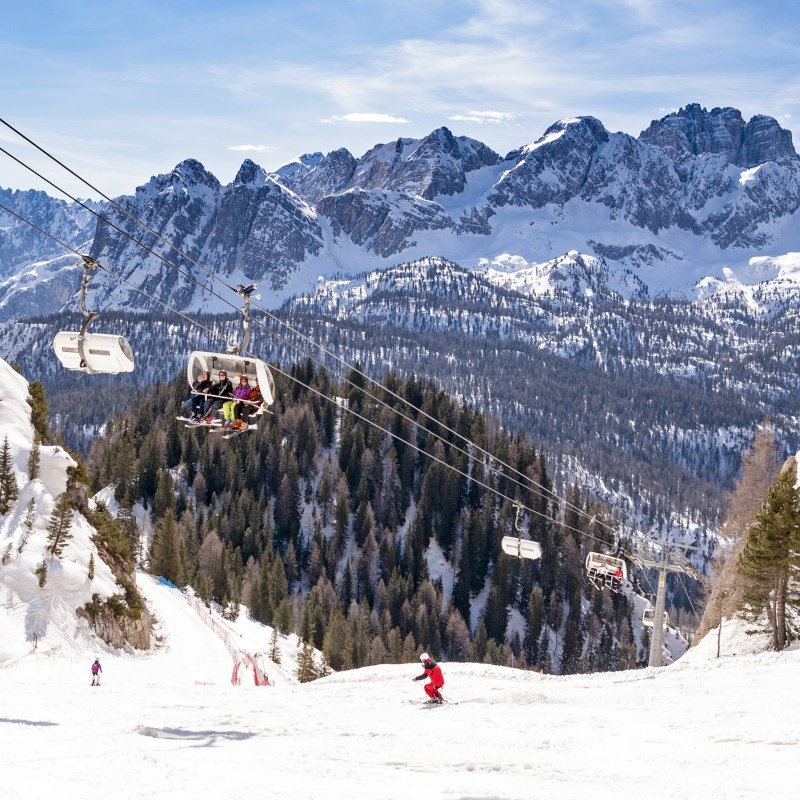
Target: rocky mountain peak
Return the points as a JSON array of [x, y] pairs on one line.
[[189, 175], [250, 174], [722, 131]]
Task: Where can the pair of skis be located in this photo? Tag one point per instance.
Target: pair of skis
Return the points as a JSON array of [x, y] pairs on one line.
[[216, 426]]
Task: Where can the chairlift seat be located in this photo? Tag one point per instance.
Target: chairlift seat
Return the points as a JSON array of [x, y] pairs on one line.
[[604, 570], [234, 365], [99, 352], [521, 548], [649, 615]]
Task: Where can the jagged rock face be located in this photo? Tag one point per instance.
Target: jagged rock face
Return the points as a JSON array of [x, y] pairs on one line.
[[429, 167], [553, 169], [382, 222], [20, 244], [261, 229], [254, 227], [695, 131], [119, 630], [332, 175]]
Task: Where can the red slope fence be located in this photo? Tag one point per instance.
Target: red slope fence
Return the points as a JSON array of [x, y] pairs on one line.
[[241, 658]]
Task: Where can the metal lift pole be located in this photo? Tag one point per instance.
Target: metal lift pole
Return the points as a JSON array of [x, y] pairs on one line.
[[657, 641], [679, 563]]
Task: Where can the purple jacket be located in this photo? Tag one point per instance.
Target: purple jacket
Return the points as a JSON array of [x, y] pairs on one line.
[[240, 392], [96, 668]]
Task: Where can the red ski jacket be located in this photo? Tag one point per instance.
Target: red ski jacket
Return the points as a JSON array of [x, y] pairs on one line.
[[432, 671]]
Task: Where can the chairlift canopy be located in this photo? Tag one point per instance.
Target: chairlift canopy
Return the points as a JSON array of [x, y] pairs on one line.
[[234, 365], [93, 352], [521, 548]]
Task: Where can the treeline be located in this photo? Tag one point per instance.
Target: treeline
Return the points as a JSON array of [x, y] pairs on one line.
[[370, 546]]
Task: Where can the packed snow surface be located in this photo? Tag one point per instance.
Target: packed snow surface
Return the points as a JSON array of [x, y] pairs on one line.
[[169, 724]]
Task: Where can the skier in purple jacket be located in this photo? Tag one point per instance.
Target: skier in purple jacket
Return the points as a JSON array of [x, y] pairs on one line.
[[96, 670], [239, 394]]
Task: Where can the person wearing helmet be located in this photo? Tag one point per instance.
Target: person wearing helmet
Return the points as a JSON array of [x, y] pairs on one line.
[[220, 392], [200, 388], [239, 394], [433, 671], [96, 670], [243, 410]]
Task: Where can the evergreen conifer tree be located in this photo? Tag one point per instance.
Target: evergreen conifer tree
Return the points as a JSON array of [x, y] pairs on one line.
[[771, 558], [274, 652], [59, 529], [8, 481], [38, 404], [34, 458], [27, 525]]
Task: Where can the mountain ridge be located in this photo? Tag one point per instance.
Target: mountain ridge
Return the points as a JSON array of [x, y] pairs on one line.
[[686, 201]]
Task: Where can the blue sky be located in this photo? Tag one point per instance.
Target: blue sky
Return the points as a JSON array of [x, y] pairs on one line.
[[123, 91]]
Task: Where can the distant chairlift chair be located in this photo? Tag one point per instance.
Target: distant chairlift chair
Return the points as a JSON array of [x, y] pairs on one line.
[[606, 571]]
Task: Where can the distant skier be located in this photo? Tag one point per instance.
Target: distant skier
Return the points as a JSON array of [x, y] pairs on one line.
[[96, 670], [434, 672]]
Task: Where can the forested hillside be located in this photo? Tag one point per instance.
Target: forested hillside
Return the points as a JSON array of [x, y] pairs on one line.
[[324, 523]]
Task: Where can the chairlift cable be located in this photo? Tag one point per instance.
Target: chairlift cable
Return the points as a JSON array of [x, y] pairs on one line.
[[290, 377], [547, 494], [544, 493]]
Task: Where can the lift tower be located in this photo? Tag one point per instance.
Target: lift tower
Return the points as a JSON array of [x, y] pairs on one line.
[[665, 557]]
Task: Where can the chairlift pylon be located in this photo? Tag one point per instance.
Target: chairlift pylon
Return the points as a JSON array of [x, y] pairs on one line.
[[92, 353]]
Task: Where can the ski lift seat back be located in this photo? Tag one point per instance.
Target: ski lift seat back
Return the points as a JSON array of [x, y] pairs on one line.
[[606, 570], [234, 365], [521, 548], [649, 615], [93, 352]]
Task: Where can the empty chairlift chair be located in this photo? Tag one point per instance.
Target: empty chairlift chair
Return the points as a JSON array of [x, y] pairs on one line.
[[518, 547], [92, 353], [649, 615]]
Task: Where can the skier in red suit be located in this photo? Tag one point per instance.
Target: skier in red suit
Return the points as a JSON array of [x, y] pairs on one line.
[[434, 672]]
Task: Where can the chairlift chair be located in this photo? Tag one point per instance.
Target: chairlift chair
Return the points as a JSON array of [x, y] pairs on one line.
[[234, 363], [92, 353], [521, 548], [606, 571], [649, 615], [518, 547]]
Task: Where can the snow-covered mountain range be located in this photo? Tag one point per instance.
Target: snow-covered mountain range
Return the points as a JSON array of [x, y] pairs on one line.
[[701, 200]]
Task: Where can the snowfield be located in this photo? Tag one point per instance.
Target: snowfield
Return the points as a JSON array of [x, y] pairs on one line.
[[169, 724]]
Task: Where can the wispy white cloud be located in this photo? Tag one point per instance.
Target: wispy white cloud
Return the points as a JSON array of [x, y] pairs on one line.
[[486, 117], [251, 148], [366, 117]]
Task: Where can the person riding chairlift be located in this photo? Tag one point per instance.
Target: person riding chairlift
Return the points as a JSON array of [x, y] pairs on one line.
[[221, 390], [229, 406], [242, 411]]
